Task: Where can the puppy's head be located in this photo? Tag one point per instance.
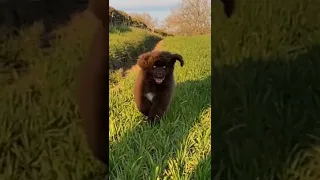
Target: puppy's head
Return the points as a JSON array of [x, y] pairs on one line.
[[159, 65]]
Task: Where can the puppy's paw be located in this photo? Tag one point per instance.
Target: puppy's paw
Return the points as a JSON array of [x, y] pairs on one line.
[[154, 120]]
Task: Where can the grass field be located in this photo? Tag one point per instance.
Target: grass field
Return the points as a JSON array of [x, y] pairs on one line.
[[266, 91], [179, 148]]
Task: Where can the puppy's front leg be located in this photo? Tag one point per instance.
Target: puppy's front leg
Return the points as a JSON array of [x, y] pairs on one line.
[[158, 109], [144, 105], [155, 113]]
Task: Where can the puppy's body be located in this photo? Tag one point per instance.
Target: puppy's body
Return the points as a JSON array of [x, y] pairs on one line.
[[153, 96], [147, 92]]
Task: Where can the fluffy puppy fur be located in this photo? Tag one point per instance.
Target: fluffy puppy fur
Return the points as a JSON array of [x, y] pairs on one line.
[[93, 91], [155, 83]]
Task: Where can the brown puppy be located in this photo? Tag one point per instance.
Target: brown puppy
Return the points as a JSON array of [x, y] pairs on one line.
[[155, 83]]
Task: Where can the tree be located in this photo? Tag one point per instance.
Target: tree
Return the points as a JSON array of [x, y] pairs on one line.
[[146, 18], [191, 17]]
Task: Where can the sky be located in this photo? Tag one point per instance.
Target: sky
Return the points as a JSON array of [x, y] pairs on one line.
[[159, 9]]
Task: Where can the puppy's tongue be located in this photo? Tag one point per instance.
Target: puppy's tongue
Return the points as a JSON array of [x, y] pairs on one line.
[[159, 80]]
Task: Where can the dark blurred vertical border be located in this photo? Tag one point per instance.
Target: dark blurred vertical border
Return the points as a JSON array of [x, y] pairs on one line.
[[96, 123], [266, 90]]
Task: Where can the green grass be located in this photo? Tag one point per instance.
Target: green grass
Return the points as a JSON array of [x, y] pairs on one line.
[[179, 148], [266, 91], [125, 45], [129, 42]]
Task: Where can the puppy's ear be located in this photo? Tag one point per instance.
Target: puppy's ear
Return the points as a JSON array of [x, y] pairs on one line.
[[178, 57], [143, 60]]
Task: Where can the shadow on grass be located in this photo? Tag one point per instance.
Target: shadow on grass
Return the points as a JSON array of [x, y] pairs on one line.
[[128, 57], [261, 111], [145, 148]]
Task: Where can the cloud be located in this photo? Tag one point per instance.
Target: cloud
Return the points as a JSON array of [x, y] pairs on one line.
[[141, 5]]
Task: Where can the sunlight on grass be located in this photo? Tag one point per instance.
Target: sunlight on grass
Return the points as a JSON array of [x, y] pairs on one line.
[[193, 150]]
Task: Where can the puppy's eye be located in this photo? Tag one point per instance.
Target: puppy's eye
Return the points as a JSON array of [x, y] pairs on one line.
[[164, 67]]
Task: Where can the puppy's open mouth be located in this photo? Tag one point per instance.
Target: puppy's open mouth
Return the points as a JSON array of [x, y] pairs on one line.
[[158, 80]]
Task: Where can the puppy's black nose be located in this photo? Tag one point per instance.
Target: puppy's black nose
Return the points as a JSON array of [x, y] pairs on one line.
[[159, 73]]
